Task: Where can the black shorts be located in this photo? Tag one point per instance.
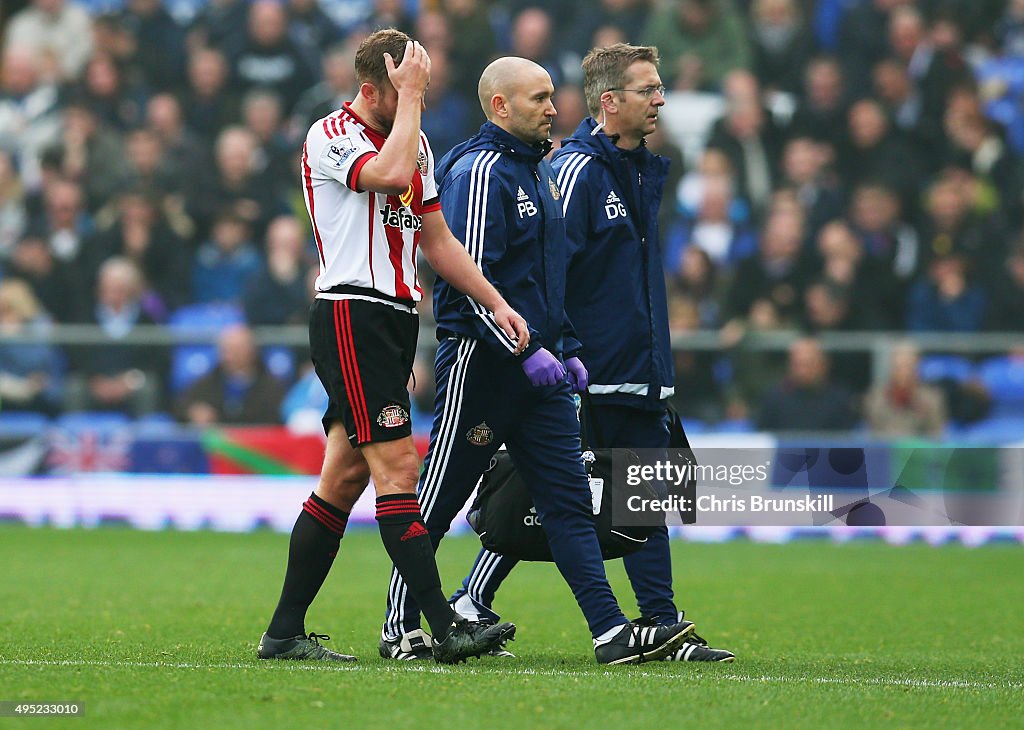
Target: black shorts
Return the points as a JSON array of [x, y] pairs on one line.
[[363, 354]]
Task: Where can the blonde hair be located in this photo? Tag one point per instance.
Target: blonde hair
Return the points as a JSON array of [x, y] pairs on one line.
[[16, 296]]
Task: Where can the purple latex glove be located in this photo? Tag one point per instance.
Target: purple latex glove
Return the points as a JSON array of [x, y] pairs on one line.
[[543, 368], [578, 377]]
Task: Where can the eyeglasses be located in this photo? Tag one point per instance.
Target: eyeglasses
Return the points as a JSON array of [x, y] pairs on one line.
[[647, 92]]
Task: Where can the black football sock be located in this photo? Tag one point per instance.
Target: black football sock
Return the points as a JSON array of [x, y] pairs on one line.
[[408, 543], [315, 539]]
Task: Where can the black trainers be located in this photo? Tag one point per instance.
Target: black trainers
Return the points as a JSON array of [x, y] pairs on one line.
[[635, 643], [409, 647], [301, 648], [471, 638], [694, 649]]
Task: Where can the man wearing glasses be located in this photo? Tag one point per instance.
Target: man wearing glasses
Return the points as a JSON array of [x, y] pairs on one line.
[[611, 187]]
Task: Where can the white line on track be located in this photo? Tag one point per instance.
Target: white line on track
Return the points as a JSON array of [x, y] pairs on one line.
[[434, 669]]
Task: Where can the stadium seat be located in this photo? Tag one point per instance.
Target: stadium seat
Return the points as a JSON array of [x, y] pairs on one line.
[[995, 431], [189, 362], [939, 367], [97, 421], [733, 425], [1004, 379], [22, 423], [280, 361]]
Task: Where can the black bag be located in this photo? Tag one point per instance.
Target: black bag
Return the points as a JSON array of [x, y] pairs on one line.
[[504, 516]]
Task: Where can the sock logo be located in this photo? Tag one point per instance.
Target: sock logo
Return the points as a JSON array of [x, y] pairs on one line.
[[416, 529]]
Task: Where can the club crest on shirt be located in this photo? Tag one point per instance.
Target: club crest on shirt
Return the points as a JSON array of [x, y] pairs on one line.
[[393, 416], [480, 435], [338, 152], [554, 190], [421, 162]]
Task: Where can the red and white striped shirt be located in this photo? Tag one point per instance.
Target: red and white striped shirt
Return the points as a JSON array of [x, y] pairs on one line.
[[367, 241]]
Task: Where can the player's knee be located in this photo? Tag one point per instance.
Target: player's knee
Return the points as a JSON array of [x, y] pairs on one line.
[[399, 475], [342, 487]]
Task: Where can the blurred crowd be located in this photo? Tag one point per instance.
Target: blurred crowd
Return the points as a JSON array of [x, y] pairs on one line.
[[861, 171]]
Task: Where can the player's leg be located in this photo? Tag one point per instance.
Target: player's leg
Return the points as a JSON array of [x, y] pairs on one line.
[[461, 445], [320, 526], [546, 451], [475, 598]]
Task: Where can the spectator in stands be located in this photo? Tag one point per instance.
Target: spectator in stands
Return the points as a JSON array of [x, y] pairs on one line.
[[236, 182], [29, 116], [863, 40], [118, 103], [807, 399], [240, 390], [572, 108], [337, 86], [974, 144], [113, 375], [781, 42], [532, 39], [64, 224], [279, 295], [31, 374], [874, 152], [166, 118], [697, 393], [1005, 312], [13, 214], [708, 31], [58, 32], [472, 47], [149, 167], [748, 135], [822, 109], [718, 228], [696, 279], [951, 226], [158, 52], [931, 57], [209, 104], [805, 169], [903, 406], [944, 299], [91, 154], [777, 274], [263, 115], [226, 264], [895, 90], [313, 29], [876, 217], [54, 283], [627, 17], [270, 58], [448, 118], [140, 234], [878, 296], [218, 24]]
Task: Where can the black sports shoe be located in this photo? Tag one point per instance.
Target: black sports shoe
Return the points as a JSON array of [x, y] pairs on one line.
[[471, 638], [300, 647], [409, 647], [635, 643], [694, 649]]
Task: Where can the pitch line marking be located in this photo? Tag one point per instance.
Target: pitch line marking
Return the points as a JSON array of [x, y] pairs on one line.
[[434, 669]]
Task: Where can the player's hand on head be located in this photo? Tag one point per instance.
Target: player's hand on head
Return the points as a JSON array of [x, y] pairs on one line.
[[513, 325], [412, 75]]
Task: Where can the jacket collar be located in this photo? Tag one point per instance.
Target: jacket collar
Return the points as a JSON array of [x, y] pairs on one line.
[[508, 143]]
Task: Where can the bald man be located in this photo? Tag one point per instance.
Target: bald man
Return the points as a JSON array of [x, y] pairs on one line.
[[500, 198]]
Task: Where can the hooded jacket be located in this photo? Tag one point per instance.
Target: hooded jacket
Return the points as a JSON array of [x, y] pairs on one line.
[[499, 197], [615, 294]]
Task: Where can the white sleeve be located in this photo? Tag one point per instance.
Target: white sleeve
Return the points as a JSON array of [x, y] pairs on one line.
[[342, 156], [429, 185]]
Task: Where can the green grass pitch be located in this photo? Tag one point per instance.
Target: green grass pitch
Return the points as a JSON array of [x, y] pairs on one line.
[[159, 630]]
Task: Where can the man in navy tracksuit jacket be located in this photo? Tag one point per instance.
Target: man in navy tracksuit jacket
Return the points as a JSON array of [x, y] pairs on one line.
[[611, 187], [499, 196]]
